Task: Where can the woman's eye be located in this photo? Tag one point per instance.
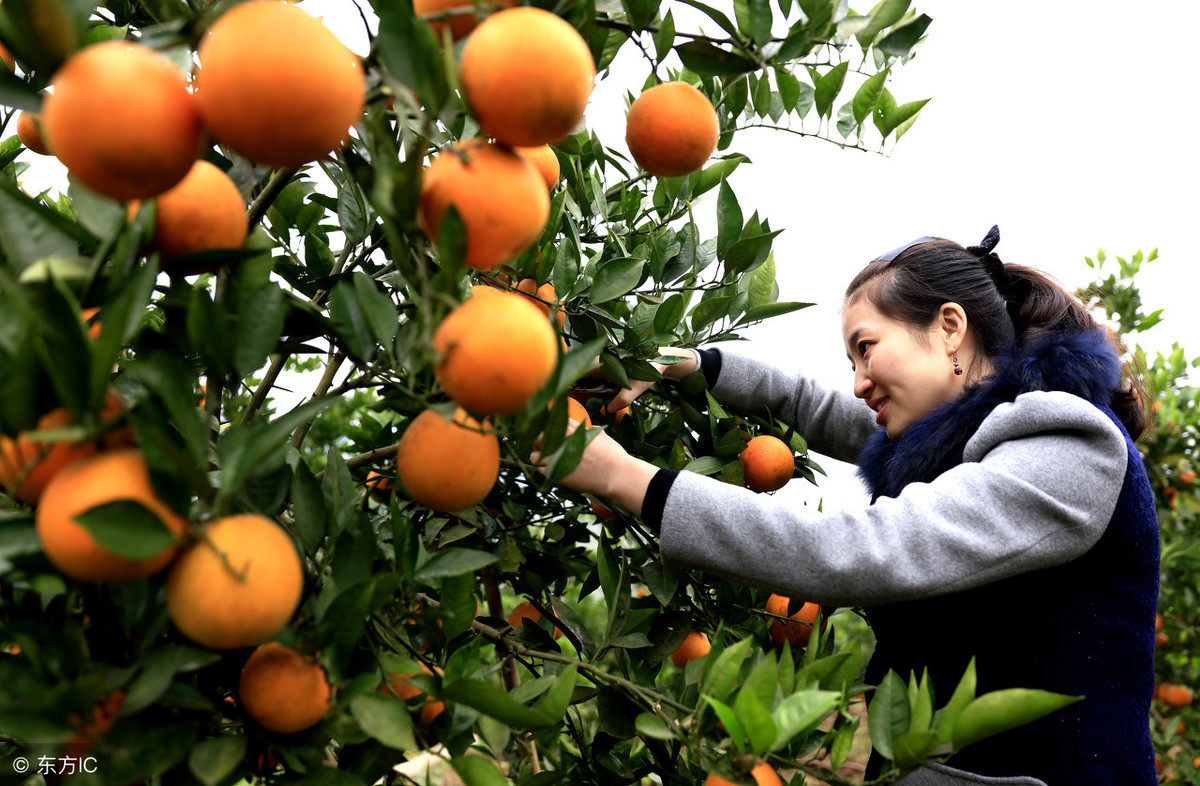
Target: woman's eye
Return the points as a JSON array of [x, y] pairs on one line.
[[863, 346]]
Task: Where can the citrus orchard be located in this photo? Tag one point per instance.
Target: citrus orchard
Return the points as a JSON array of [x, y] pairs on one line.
[[448, 465], [500, 197], [671, 129], [238, 585], [277, 86], [495, 351], [283, 691], [122, 121], [527, 76], [109, 476]]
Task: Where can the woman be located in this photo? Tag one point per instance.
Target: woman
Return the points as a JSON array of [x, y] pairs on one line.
[[1010, 518]]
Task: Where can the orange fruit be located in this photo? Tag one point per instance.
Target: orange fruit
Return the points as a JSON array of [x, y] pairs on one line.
[[694, 645], [29, 131], [526, 610], [796, 633], [380, 486], [499, 196], [603, 512], [1174, 695], [1161, 639], [527, 76], [238, 585], [460, 24], [448, 465], [276, 85], [203, 212], [1158, 623], [671, 129], [88, 315], [543, 296], [7, 58], [108, 476], [578, 413], [495, 351], [122, 121], [1188, 476], [27, 465], [283, 691], [397, 684], [544, 161], [762, 774], [767, 463], [104, 712]]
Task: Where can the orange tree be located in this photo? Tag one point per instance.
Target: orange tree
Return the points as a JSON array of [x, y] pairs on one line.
[[385, 241], [1172, 461]]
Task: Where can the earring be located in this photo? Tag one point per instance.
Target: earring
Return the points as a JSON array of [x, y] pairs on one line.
[[957, 368]]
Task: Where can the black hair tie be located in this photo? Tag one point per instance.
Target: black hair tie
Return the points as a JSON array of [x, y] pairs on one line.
[[991, 263]]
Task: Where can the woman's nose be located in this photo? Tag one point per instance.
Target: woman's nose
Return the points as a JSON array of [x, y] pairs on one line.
[[862, 382]]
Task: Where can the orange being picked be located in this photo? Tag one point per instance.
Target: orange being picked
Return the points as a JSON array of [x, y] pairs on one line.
[[397, 684], [785, 631], [122, 120], [448, 465], [544, 161], [694, 645], [238, 585], [527, 76], [283, 691], [277, 86], [495, 351], [463, 18], [500, 197], [28, 464], [671, 129], [108, 476], [29, 131], [767, 463], [527, 611], [762, 774], [203, 212]]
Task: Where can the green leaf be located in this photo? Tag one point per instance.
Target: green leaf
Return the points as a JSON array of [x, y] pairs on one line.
[[127, 528], [709, 311], [377, 308], [883, 15], [478, 771], [669, 313], [756, 720], [1002, 710], [709, 60], [902, 39], [717, 16], [664, 39], [762, 284], [615, 277], [705, 465], [802, 712], [828, 87], [706, 179], [789, 88], [768, 310], [868, 96], [385, 719], [30, 231], [454, 562], [964, 694], [902, 114], [640, 12], [653, 727], [347, 319], [888, 715], [913, 747], [552, 705], [733, 726], [259, 324], [493, 701], [721, 674], [754, 19], [260, 446], [211, 761], [729, 219], [308, 508], [762, 97]]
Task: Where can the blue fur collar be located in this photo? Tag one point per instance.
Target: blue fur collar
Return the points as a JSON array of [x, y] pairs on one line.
[[1083, 364]]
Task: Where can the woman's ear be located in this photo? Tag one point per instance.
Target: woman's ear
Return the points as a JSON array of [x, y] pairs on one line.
[[952, 324]]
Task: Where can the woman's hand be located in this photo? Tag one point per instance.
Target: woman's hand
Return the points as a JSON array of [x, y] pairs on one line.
[[605, 470], [673, 371]]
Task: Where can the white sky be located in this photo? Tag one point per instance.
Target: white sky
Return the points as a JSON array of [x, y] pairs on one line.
[[1068, 124]]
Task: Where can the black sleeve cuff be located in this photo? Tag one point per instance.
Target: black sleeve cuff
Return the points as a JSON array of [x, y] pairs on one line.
[[710, 365], [655, 501]]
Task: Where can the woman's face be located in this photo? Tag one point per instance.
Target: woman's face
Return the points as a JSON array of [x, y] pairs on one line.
[[901, 372]]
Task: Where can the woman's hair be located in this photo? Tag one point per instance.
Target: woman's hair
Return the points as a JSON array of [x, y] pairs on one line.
[[911, 285]]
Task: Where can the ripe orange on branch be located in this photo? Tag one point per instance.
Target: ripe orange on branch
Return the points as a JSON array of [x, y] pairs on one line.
[[276, 85], [122, 121], [203, 212], [527, 76], [460, 24], [500, 197], [544, 161], [283, 691], [238, 585], [527, 611], [495, 351], [448, 465], [694, 645], [671, 129], [795, 633], [542, 296], [767, 463], [108, 476], [397, 684], [762, 774], [29, 131]]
